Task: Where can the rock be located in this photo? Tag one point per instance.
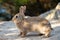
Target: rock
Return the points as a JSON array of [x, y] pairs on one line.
[[52, 14], [58, 6]]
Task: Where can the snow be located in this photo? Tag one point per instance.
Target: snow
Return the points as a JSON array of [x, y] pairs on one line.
[[9, 31]]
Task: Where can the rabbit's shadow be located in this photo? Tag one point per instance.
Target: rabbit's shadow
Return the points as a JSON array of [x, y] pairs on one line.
[[34, 35]]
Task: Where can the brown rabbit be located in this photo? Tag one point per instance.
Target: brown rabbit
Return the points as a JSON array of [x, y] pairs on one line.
[[29, 24]]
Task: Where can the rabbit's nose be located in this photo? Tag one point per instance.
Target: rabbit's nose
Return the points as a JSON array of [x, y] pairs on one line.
[[12, 19]]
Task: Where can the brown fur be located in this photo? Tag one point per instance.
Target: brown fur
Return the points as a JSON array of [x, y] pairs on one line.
[[33, 24], [29, 24]]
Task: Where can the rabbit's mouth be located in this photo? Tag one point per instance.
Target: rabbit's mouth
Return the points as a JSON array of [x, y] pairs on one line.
[[12, 19]]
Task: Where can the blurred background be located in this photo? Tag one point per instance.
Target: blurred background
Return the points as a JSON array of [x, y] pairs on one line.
[[8, 8]]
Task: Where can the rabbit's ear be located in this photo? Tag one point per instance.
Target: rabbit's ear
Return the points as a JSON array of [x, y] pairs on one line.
[[22, 10]]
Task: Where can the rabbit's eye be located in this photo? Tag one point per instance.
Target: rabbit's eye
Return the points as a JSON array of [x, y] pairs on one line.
[[16, 16]]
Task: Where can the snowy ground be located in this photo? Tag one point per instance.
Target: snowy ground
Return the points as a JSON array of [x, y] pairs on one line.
[[9, 31]]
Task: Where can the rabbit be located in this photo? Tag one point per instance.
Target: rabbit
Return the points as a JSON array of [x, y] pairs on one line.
[[32, 24]]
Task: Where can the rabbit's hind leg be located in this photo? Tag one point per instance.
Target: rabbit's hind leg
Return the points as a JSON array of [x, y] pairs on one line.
[[47, 34]]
